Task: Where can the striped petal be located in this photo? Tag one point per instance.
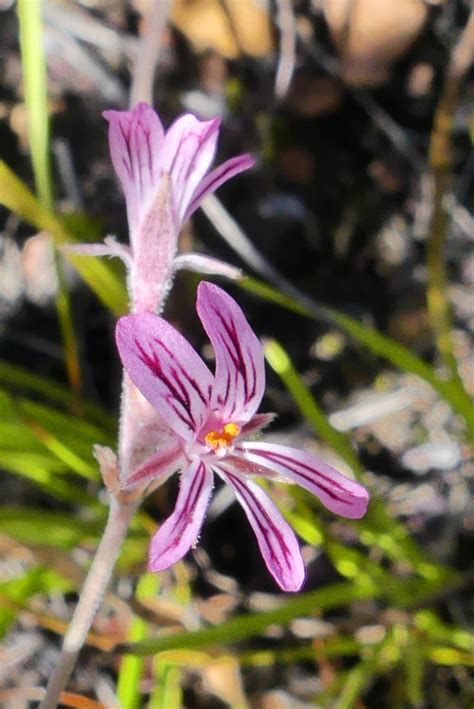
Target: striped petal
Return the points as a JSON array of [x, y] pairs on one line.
[[181, 530], [136, 141], [338, 493], [167, 370], [240, 370], [158, 466], [276, 539], [216, 178], [188, 151]]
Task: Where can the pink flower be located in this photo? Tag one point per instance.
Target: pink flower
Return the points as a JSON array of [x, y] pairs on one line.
[[209, 417], [165, 178]]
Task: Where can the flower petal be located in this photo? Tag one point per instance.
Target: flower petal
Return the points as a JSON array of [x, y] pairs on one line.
[[240, 369], [338, 493], [256, 424], [167, 370], [275, 537], [216, 178], [188, 151], [180, 531], [162, 464], [136, 141]]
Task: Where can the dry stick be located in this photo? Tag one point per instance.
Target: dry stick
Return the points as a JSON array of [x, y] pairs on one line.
[[440, 160], [148, 53], [120, 512], [286, 58]]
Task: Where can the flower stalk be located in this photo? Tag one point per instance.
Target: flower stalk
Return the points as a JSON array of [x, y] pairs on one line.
[[120, 515]]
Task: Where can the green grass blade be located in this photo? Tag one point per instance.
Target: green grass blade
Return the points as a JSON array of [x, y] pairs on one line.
[[336, 646], [36, 95], [132, 666], [36, 98], [355, 682], [413, 662], [56, 529], [254, 623], [280, 362], [23, 380], [167, 692], [47, 473], [430, 624]]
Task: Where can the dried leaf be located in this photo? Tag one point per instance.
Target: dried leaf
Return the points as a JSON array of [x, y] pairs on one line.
[[222, 677], [231, 27], [371, 34]]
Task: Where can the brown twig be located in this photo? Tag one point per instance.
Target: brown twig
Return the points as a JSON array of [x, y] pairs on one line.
[[36, 694], [440, 161]]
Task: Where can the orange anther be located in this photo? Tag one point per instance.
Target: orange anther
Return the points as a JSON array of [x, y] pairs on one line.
[[224, 438], [231, 430]]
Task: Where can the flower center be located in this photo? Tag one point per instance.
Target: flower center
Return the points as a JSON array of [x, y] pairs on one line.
[[224, 438]]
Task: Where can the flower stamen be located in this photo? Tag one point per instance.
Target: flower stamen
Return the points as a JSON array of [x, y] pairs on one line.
[[224, 438]]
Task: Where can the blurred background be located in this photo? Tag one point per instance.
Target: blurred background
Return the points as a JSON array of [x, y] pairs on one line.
[[355, 236]]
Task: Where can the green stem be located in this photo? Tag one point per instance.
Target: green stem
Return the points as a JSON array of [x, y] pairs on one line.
[[36, 99]]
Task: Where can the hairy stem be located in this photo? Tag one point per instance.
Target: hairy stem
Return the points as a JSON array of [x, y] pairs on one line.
[[120, 515]]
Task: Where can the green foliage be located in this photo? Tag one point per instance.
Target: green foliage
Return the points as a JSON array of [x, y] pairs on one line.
[[47, 444], [16, 592], [255, 623], [131, 667], [56, 529], [20, 381]]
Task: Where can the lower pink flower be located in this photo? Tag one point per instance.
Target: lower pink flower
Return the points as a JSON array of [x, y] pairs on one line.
[[209, 417]]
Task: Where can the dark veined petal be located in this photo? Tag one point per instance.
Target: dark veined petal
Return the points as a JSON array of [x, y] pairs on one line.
[[158, 466], [167, 370], [188, 151], [240, 369], [136, 140], [180, 531], [337, 492], [276, 539], [216, 178]]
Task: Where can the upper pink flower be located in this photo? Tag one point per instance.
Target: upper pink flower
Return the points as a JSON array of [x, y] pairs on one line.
[[165, 176], [154, 166], [209, 417]]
